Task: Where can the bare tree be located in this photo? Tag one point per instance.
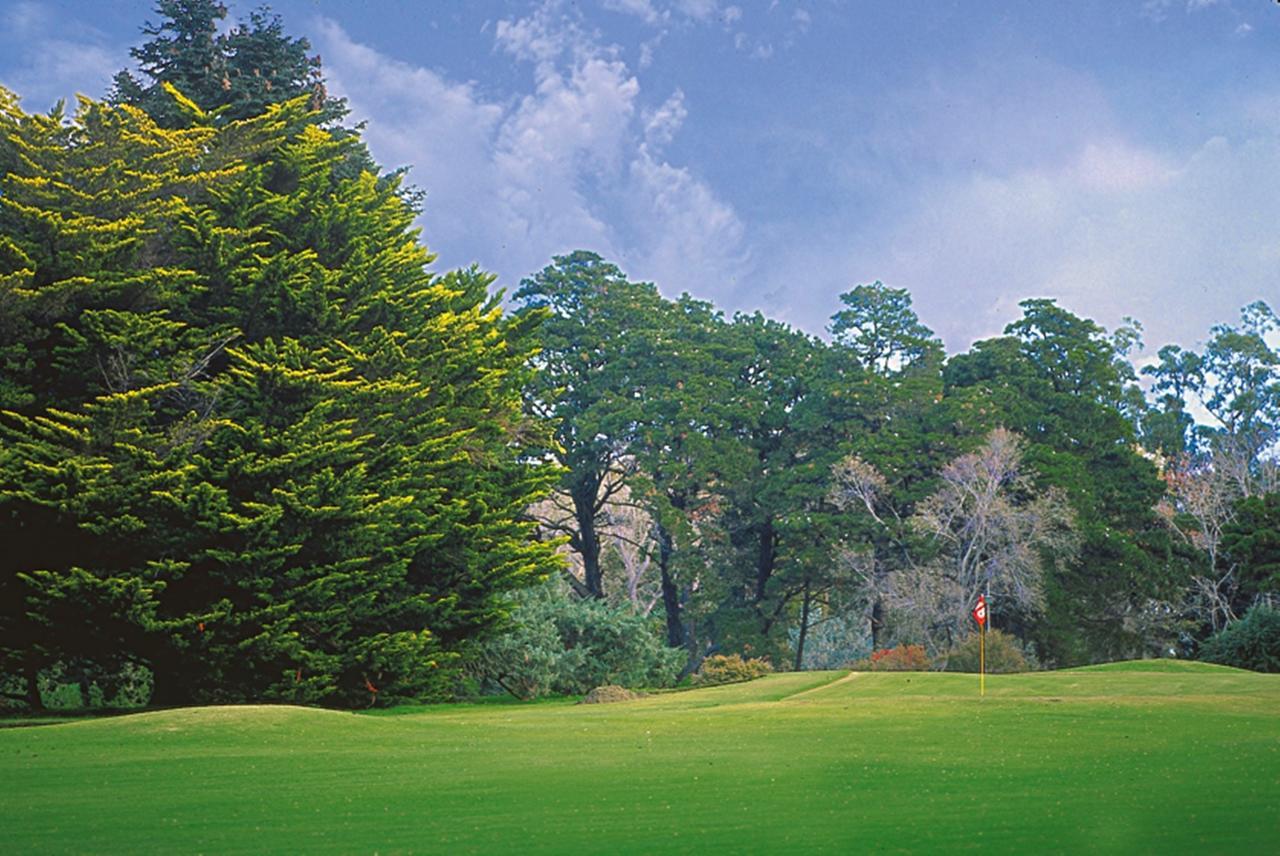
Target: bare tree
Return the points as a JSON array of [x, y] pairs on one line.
[[989, 530], [858, 487], [1204, 495]]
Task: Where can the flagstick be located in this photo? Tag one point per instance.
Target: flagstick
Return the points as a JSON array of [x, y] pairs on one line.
[[982, 660]]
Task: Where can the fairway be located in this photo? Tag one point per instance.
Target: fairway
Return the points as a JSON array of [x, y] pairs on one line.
[[1167, 757]]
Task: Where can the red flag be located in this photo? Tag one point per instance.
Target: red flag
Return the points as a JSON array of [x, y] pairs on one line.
[[980, 611]]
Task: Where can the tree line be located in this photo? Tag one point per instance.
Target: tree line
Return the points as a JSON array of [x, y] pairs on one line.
[[752, 484], [255, 448]]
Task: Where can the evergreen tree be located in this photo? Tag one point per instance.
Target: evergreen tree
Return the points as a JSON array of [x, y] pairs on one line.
[[590, 358], [234, 74], [251, 442]]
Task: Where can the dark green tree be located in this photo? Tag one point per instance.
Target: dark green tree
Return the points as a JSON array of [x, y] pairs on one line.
[[1064, 385], [1167, 427], [882, 331], [232, 75], [1252, 541], [897, 427], [687, 457], [592, 353]]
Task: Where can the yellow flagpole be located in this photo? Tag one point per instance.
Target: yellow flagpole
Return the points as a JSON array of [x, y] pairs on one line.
[[982, 659]]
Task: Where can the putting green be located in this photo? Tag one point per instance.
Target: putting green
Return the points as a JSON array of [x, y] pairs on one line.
[[1126, 758]]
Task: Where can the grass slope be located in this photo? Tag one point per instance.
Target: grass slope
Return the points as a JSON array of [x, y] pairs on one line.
[[1119, 759]]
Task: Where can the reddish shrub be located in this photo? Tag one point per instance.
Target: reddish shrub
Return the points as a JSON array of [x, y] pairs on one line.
[[904, 658]]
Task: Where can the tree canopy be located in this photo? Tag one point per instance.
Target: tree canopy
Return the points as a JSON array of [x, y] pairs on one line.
[[251, 442]]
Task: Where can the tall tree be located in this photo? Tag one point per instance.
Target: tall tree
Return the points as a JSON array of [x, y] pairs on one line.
[[590, 358], [251, 442], [687, 457], [881, 329], [770, 505], [1227, 463], [898, 426]]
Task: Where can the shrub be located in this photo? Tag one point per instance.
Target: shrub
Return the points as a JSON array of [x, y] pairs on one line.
[[609, 694], [1004, 654], [730, 669], [561, 644], [904, 658], [1253, 642]]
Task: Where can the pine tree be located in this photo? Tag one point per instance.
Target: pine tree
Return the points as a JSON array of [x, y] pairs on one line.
[[251, 442], [232, 75]]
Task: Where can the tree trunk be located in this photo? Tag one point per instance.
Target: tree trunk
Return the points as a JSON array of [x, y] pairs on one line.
[[584, 511], [670, 593], [169, 689], [31, 682], [877, 623], [804, 627]]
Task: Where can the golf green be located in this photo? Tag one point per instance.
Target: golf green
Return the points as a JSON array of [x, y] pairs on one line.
[[1128, 758]]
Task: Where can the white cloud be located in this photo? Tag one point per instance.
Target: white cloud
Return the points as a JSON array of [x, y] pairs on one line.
[[544, 36], [661, 125], [692, 241], [1117, 230], [642, 9], [56, 59], [702, 10], [574, 163]]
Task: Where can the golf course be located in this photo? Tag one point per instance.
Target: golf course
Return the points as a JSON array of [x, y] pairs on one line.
[[1156, 756]]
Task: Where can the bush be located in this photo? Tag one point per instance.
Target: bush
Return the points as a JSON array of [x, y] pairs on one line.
[[904, 658], [561, 644], [730, 669], [1004, 654], [1253, 642], [610, 694]]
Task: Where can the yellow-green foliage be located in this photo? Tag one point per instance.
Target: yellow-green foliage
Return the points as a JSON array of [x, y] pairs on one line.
[[247, 439], [730, 669]]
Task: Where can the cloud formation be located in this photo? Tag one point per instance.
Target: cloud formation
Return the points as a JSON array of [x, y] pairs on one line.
[[56, 59], [577, 162], [1115, 230]]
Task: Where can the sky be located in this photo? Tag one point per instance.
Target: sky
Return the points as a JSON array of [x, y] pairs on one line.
[[1120, 156]]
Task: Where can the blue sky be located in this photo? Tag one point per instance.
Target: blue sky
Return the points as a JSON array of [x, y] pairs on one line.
[[1122, 156]]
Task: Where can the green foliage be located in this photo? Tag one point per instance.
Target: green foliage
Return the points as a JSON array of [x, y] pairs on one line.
[[1253, 642], [1062, 383], [229, 73], [879, 326], [251, 443], [902, 658], [1004, 654], [590, 361], [1252, 540], [558, 643], [730, 669]]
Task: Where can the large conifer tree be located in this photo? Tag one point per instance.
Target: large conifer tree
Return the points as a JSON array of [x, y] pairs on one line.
[[250, 441]]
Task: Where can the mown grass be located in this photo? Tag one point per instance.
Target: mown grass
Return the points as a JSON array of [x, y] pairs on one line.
[[1121, 759]]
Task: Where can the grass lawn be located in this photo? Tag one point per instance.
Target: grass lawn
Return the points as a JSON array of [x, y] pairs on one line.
[[1139, 757]]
